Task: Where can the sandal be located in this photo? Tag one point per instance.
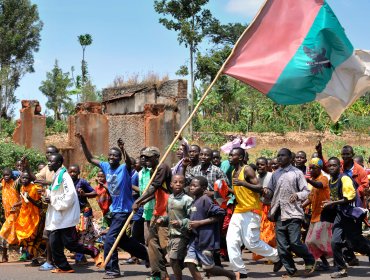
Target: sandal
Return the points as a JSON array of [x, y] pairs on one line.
[[310, 268], [287, 275], [58, 270]]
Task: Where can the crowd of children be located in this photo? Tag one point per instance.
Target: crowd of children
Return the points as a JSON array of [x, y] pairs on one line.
[[195, 215]]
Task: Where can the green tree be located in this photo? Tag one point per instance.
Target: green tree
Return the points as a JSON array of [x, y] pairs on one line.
[[192, 22], [20, 28], [55, 88], [84, 40]]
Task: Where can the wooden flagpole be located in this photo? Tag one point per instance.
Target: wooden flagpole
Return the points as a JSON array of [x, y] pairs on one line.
[[123, 230]]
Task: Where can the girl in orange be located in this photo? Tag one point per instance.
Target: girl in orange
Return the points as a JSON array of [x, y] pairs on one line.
[[319, 232], [10, 198], [28, 226]]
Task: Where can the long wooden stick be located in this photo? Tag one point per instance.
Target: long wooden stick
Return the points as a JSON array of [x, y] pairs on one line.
[[123, 230]]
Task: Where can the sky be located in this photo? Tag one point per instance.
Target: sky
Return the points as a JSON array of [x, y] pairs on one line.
[[128, 39]]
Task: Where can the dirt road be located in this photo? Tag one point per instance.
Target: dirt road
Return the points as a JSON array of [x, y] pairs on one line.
[[18, 271]]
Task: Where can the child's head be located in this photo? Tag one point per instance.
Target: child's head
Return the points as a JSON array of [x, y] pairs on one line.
[[40, 166], [74, 171], [19, 165], [177, 184], [7, 174], [198, 185], [25, 178], [100, 177]]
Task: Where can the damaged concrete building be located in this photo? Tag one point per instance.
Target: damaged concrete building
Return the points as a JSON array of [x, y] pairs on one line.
[[142, 115]]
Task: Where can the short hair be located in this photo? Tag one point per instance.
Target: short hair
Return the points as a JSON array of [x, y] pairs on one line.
[[302, 152], [117, 150], [195, 145], [215, 151], [334, 158], [288, 151], [54, 148], [75, 165], [58, 157], [359, 157], [262, 158], [348, 147], [241, 151], [203, 182], [207, 149]]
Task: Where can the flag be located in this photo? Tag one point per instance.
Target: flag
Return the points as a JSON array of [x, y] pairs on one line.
[[296, 51]]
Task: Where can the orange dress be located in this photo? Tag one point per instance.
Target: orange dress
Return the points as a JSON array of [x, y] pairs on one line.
[[267, 230], [27, 225], [10, 197]]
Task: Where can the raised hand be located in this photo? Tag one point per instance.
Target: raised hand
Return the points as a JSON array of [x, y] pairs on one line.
[[120, 143]]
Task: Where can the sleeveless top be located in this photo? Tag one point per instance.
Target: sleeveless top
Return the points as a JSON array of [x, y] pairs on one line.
[[246, 199]]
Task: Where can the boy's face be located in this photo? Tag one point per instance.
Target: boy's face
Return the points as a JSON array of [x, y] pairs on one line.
[[194, 153], [205, 156], [150, 162], [261, 166], [333, 167], [195, 188], [300, 159], [177, 184], [180, 152], [114, 157], [74, 172], [19, 165], [49, 152], [283, 158], [274, 164], [7, 176], [100, 177], [25, 179], [234, 157], [216, 159], [347, 155]]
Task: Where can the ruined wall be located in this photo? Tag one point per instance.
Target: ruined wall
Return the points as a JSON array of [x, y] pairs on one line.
[[30, 130], [160, 127], [142, 115], [94, 126], [131, 128]]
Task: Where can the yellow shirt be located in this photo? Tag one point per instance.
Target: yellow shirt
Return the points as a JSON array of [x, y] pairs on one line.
[[247, 200], [348, 189]]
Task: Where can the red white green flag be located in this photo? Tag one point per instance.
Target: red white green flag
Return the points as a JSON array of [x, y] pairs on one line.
[[296, 51]]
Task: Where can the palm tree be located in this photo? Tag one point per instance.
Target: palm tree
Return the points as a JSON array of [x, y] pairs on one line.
[[85, 40]]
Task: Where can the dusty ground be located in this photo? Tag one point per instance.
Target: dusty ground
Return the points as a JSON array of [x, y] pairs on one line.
[[256, 270]]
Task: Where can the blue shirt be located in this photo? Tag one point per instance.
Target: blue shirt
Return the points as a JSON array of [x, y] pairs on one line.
[[119, 186], [86, 187], [134, 178], [205, 237]]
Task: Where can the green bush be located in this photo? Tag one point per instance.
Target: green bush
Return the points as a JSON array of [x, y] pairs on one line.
[[7, 127], [11, 152], [56, 127]]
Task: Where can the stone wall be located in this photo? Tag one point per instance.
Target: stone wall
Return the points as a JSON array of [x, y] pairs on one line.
[[131, 128], [30, 129], [142, 115]]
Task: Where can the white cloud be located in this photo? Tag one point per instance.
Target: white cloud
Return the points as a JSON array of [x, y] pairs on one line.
[[244, 7]]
